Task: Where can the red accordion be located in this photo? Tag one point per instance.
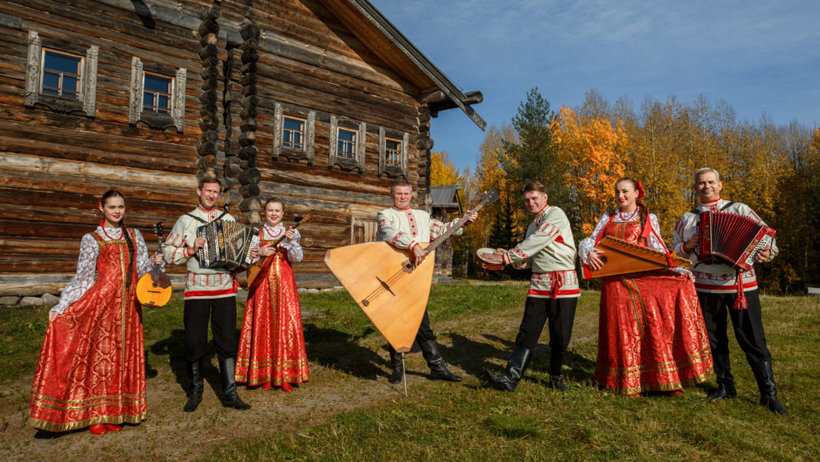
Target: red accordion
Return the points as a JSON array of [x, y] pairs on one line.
[[731, 238]]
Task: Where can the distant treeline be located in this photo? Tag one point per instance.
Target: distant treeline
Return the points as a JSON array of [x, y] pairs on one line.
[[580, 152]]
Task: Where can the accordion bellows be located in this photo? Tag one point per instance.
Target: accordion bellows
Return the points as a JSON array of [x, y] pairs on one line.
[[731, 238], [227, 244]]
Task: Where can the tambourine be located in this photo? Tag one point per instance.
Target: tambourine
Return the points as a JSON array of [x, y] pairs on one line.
[[482, 261]]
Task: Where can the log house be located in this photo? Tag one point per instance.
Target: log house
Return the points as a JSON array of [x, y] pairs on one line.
[[319, 102]]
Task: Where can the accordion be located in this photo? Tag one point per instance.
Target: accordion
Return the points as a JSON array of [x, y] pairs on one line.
[[731, 238], [227, 245]]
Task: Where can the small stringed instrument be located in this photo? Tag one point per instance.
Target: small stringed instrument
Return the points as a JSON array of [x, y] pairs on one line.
[[623, 257], [387, 286], [154, 287], [261, 266]]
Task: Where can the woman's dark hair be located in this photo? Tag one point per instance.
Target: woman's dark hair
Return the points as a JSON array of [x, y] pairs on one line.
[[644, 212], [274, 199], [132, 251]]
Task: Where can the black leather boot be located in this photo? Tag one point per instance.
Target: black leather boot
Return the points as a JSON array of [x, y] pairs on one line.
[[398, 367], [194, 371], [515, 370], [557, 382], [768, 390], [725, 380], [438, 371], [227, 367]]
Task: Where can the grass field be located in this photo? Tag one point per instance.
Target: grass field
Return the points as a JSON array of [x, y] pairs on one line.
[[476, 325]]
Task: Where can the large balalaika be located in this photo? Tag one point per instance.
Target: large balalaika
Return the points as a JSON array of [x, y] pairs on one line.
[[731, 238], [227, 244]]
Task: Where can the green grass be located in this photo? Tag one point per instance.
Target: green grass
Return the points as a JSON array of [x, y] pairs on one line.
[[465, 422]]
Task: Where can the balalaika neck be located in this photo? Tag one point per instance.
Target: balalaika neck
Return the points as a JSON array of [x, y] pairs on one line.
[[439, 240]]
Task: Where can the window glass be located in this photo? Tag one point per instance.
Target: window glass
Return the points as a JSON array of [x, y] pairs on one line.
[[61, 74], [157, 94], [293, 131], [346, 146]]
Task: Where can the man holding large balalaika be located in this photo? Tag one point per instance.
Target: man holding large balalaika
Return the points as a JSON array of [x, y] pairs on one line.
[[210, 294], [723, 287], [549, 250], [409, 229]]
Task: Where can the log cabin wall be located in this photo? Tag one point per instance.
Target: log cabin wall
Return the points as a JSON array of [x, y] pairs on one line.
[[272, 60]]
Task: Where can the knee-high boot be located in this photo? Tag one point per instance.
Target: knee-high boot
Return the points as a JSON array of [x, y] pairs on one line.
[[398, 366], [515, 370], [768, 390], [438, 370], [230, 398], [194, 371], [725, 380]]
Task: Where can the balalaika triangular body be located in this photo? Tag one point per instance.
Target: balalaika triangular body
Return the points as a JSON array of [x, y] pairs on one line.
[[391, 293]]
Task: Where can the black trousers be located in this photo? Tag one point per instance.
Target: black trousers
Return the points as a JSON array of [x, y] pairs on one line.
[[424, 334], [747, 324], [222, 314], [561, 315]]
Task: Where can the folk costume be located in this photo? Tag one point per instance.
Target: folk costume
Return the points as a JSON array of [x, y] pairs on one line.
[[548, 249], [210, 293], [405, 229], [272, 344], [651, 335], [91, 368], [722, 288]]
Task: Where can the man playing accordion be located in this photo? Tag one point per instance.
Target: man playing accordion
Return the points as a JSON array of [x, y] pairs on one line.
[[210, 293], [721, 288]]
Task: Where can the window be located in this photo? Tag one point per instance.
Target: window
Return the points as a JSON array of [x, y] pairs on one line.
[[157, 96], [61, 75], [393, 153], [363, 229], [293, 130], [347, 143], [293, 133]]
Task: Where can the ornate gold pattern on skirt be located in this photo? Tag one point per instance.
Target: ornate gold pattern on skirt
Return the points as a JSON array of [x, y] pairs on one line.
[[91, 367], [651, 334], [272, 344]]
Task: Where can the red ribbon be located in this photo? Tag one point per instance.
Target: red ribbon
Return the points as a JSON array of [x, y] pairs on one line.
[[641, 192]]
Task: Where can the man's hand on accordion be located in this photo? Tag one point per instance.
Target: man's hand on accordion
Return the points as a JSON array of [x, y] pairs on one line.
[[764, 255], [199, 243]]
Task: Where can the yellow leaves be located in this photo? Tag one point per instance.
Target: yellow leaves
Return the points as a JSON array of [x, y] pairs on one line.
[[593, 147], [442, 170]]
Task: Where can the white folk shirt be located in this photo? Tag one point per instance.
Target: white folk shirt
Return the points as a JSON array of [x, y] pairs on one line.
[[87, 264], [179, 249], [549, 250], [407, 228], [716, 277]]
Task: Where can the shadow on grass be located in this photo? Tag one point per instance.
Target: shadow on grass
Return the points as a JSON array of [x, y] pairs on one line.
[[339, 350], [474, 357]]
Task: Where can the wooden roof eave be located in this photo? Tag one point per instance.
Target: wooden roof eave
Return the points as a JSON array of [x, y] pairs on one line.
[[362, 18]]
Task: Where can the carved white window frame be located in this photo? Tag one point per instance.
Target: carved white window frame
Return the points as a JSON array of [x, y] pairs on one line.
[[87, 96], [135, 113], [308, 146], [359, 147], [404, 155]]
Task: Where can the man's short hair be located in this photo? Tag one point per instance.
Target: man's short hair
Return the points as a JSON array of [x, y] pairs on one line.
[[209, 179], [533, 186], [704, 170], [399, 182]]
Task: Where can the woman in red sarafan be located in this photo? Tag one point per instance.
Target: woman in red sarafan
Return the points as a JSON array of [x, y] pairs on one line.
[[272, 344], [91, 369], [651, 334]]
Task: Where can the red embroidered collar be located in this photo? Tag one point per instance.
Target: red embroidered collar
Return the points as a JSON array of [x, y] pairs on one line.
[[404, 209], [710, 202]]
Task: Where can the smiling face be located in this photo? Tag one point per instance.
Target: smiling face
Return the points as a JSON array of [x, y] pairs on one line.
[[626, 196], [113, 211], [274, 213], [402, 195], [708, 187], [535, 201], [208, 194]]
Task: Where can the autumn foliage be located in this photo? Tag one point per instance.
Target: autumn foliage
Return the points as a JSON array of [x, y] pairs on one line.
[[774, 169]]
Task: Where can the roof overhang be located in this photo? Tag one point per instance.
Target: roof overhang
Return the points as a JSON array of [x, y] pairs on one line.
[[438, 91]]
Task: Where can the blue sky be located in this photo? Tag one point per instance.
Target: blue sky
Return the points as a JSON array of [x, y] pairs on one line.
[[760, 57]]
